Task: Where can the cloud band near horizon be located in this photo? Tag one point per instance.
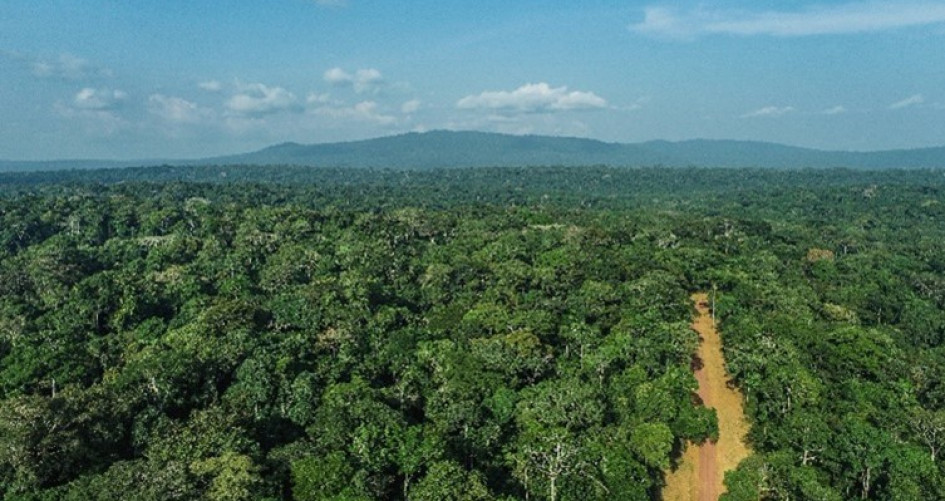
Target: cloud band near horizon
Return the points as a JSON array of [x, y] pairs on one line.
[[533, 98], [849, 18]]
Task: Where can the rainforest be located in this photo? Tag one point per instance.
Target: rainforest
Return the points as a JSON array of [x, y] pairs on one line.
[[250, 332]]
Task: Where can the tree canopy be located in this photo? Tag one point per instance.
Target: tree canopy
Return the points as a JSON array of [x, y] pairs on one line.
[[467, 334]]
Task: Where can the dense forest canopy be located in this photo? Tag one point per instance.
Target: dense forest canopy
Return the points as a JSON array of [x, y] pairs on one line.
[[289, 333]]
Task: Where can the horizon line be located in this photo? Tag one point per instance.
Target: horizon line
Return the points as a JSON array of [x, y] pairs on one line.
[[473, 131]]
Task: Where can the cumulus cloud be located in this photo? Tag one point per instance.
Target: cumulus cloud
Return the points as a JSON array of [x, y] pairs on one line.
[[99, 99], [211, 86], [362, 81], [365, 111], [769, 111], [338, 76], [257, 100], [852, 17], [410, 106], [912, 100], [176, 109], [836, 110], [533, 98], [97, 109]]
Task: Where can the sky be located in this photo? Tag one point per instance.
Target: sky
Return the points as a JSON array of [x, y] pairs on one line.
[[190, 79]]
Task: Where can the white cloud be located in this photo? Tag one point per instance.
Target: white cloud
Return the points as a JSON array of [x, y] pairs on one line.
[[639, 103], [317, 99], [852, 17], [913, 100], [366, 111], [64, 67], [367, 80], [175, 109], [362, 81], [338, 76], [97, 109], [68, 67], [211, 86], [258, 99], [522, 123], [410, 106], [769, 111], [662, 21], [533, 98], [836, 110], [99, 99]]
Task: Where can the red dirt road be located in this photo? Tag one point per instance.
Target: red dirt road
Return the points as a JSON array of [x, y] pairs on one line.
[[702, 467], [708, 462]]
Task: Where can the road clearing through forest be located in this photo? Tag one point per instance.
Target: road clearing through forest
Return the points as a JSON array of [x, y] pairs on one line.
[[702, 468]]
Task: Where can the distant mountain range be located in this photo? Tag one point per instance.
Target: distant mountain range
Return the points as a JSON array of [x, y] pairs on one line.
[[439, 149]]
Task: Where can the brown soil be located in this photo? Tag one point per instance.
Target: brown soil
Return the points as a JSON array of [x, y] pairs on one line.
[[702, 467]]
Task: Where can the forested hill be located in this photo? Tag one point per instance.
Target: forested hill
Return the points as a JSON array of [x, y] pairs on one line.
[[441, 149]]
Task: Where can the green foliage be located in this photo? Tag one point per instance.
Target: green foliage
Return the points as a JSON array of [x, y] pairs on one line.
[[653, 443], [323, 477], [448, 481], [232, 477], [466, 334]]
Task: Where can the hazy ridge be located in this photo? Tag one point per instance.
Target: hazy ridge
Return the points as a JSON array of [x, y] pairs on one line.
[[439, 149]]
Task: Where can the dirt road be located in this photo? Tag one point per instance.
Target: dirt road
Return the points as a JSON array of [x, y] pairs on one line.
[[702, 467]]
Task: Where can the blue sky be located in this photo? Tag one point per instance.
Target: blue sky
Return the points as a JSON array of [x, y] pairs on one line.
[[173, 79]]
